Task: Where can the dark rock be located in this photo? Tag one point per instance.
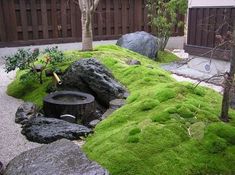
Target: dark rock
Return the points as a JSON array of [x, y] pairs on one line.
[[1, 168], [47, 130], [90, 76], [58, 158], [116, 103], [126, 94], [93, 123], [140, 42], [25, 112], [133, 62], [107, 113]]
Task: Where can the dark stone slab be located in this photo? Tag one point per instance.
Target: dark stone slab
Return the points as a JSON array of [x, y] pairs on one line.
[[25, 112], [47, 130], [140, 42], [90, 76], [58, 158]]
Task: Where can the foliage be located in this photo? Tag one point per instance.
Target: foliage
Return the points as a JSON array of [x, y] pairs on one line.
[[135, 140], [163, 17], [28, 60], [54, 55], [23, 59]]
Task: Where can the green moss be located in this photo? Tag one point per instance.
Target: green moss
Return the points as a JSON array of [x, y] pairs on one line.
[[161, 117], [133, 139], [134, 131], [196, 130], [214, 144], [224, 131], [165, 94], [148, 104], [150, 134], [166, 57], [185, 112]]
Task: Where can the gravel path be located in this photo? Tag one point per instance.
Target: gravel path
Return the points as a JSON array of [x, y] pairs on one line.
[[12, 142]]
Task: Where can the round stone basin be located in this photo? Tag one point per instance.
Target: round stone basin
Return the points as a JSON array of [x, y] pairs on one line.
[[81, 105]]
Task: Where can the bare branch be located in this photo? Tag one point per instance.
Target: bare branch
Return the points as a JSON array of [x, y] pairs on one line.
[[94, 5]]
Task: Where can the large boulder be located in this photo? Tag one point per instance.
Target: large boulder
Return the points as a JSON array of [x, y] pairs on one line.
[[25, 112], [47, 130], [58, 158], [90, 76], [140, 42]]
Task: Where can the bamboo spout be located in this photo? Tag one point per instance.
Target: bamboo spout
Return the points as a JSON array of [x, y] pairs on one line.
[[58, 80]]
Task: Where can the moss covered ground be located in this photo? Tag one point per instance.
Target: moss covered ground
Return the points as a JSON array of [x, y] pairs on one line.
[[166, 127]]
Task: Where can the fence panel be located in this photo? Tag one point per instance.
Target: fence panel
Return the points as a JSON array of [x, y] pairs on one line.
[[203, 26], [26, 22]]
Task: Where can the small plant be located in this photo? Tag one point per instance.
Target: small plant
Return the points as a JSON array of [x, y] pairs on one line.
[[34, 66], [163, 17]]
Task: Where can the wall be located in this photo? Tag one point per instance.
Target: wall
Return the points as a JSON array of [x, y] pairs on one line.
[[211, 3]]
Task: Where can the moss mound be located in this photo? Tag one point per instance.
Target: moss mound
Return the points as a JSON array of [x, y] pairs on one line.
[[166, 127]]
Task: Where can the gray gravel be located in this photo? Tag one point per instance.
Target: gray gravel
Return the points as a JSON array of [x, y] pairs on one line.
[[12, 142]]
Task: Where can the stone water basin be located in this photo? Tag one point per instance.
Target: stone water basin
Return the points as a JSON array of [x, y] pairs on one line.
[[78, 104]]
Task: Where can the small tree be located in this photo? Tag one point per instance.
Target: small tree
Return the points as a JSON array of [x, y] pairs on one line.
[[87, 8], [163, 17], [229, 80], [32, 64]]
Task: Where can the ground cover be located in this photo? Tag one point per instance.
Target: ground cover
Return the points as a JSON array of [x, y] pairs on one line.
[[166, 127]]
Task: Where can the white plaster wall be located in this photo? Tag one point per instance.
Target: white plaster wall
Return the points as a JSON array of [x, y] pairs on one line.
[[208, 3]]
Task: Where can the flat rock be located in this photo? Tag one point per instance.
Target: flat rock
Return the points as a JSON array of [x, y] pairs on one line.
[[47, 130], [107, 113], [25, 112], [117, 103], [94, 123], [58, 158], [90, 76], [140, 42], [133, 62]]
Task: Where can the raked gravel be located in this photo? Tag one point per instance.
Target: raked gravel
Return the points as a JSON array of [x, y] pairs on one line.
[[12, 142]]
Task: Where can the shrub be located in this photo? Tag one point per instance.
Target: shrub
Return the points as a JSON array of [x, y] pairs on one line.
[[28, 60]]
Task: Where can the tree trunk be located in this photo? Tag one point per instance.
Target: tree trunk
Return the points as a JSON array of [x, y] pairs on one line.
[[228, 83], [87, 36]]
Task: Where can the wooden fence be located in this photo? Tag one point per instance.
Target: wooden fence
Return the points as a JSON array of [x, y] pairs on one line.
[[203, 26], [28, 22]]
